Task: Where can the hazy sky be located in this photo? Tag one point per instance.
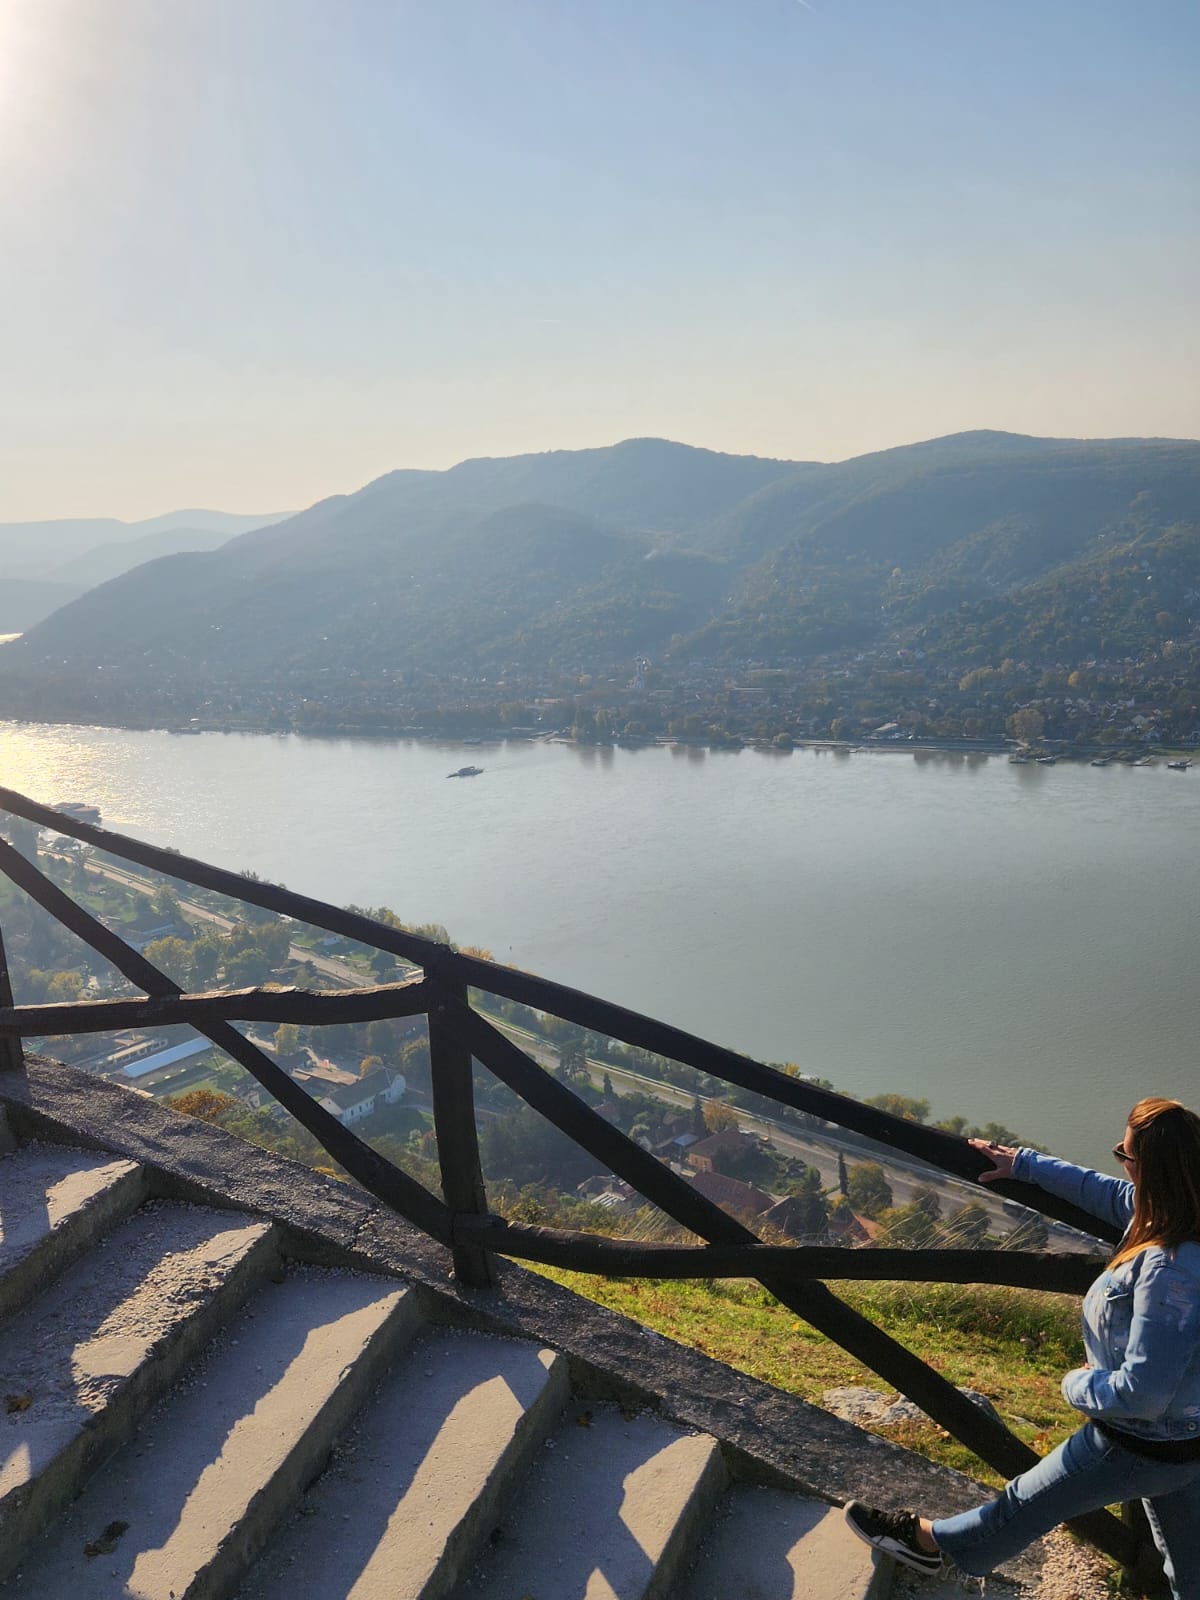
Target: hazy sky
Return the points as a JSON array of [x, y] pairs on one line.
[[257, 251]]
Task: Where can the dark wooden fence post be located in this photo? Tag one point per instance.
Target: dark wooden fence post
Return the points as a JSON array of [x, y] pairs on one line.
[[12, 1052], [454, 1119]]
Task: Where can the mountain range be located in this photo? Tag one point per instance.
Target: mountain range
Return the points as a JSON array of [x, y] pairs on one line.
[[582, 561], [43, 565]]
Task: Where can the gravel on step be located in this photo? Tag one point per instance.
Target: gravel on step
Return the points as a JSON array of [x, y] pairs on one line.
[[1070, 1571]]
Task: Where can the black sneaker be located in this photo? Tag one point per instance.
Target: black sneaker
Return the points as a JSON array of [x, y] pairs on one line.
[[892, 1533]]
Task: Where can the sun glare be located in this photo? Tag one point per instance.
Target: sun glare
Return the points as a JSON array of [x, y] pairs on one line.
[[28, 34]]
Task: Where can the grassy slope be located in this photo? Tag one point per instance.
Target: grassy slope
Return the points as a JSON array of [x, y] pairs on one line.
[[1011, 1345]]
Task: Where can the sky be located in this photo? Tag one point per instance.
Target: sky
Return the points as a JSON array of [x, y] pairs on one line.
[[254, 252]]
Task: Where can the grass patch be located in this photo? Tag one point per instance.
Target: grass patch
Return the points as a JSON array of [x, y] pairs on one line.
[[1012, 1345]]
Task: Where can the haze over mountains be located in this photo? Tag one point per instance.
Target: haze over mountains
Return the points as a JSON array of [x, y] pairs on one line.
[[583, 561], [45, 564]]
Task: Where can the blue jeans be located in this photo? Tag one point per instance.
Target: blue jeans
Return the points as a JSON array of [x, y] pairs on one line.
[[1086, 1473]]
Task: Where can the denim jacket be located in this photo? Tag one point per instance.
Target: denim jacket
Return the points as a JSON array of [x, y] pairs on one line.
[[1141, 1320]]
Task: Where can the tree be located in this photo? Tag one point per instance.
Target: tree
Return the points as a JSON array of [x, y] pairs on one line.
[[165, 902], [1026, 725], [572, 1062], [607, 1088], [274, 939], [905, 1228], [383, 962], [206, 958], [22, 835], [901, 1105], [719, 1117], [287, 1039], [172, 956], [248, 968], [207, 1104], [843, 1181], [997, 1133], [369, 1064], [382, 1038], [868, 1190], [64, 987], [967, 1228], [810, 1210], [927, 1200]]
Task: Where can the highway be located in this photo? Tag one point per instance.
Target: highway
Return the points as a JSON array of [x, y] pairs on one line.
[[820, 1150], [348, 977]]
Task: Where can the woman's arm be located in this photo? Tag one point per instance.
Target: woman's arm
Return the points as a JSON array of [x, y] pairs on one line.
[[1162, 1333], [1110, 1199]]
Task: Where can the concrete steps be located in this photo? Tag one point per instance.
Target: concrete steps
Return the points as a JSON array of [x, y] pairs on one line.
[[54, 1204], [417, 1484], [766, 1544], [192, 1500], [611, 1512], [193, 1417], [87, 1357]]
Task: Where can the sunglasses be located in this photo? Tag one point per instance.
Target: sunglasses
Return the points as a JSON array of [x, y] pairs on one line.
[[1122, 1154]]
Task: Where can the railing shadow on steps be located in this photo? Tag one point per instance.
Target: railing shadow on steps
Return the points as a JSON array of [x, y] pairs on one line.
[[460, 1219]]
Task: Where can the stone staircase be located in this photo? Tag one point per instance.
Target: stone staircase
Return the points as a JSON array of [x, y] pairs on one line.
[[201, 1401]]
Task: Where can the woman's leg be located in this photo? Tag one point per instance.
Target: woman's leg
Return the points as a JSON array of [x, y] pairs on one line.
[[1175, 1523], [1085, 1473]]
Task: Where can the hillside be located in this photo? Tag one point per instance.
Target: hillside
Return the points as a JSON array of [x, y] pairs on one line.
[[512, 579]]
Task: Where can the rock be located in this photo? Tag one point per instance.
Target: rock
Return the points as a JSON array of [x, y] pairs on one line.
[[870, 1408]]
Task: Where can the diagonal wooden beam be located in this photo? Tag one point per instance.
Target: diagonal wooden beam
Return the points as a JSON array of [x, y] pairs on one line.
[[394, 1187]]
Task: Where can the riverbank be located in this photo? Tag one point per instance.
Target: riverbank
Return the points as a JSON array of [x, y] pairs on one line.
[[1048, 754]]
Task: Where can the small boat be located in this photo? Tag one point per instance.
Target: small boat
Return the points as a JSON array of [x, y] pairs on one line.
[[465, 772], [1178, 766], [78, 812], [1100, 761], [1046, 761]]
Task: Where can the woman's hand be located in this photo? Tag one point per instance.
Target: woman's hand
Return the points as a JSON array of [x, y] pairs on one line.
[[1001, 1156]]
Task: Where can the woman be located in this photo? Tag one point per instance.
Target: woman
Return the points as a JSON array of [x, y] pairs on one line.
[[1140, 1389]]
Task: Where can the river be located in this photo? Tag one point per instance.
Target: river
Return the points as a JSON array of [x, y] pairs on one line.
[[1014, 943]]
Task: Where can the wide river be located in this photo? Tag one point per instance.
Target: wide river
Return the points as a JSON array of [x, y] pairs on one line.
[[1014, 943]]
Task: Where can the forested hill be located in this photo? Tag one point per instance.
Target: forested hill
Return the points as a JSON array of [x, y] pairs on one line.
[[577, 562]]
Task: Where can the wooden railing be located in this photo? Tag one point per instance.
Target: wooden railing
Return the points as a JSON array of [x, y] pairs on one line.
[[460, 1218]]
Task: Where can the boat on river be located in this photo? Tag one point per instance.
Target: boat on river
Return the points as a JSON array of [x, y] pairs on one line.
[[1178, 766], [465, 772], [78, 812]]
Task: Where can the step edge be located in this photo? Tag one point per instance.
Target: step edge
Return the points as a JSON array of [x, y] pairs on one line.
[[464, 1542], [711, 1483], [34, 1507], [72, 1236], [268, 1508]]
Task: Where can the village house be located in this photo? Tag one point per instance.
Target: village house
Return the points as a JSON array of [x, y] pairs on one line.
[[731, 1194], [708, 1154], [351, 1102]]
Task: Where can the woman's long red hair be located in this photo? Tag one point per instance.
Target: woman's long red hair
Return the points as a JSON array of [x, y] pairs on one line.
[[1165, 1140]]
